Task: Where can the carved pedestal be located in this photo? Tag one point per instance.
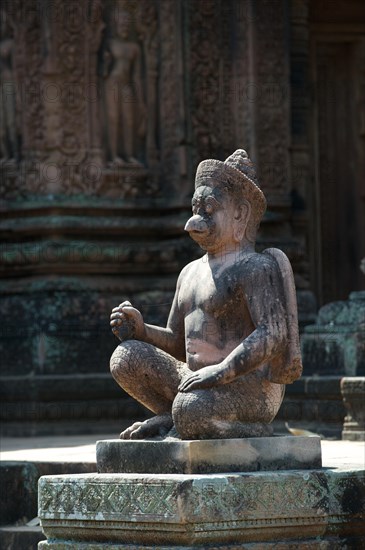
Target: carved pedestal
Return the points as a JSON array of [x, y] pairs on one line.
[[353, 392], [208, 456], [336, 343], [226, 511], [332, 348]]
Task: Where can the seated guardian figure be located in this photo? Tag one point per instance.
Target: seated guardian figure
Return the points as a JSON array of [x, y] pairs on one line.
[[219, 368]]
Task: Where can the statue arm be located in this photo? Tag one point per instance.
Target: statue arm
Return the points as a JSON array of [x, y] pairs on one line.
[[265, 300], [127, 324], [172, 338], [263, 289], [107, 63], [138, 75]]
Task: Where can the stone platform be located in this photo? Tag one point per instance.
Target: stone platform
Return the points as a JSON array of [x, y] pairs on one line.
[[302, 508], [209, 456], [131, 511], [20, 466]]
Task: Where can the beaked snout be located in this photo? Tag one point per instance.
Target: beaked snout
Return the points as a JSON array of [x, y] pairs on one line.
[[196, 223]]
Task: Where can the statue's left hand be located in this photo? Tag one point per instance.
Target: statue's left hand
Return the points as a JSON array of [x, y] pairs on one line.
[[206, 377]]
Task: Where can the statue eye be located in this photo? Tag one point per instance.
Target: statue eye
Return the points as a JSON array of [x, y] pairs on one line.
[[209, 208]]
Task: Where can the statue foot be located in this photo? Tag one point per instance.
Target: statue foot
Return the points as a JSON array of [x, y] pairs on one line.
[[172, 435], [134, 162], [158, 426], [117, 161]]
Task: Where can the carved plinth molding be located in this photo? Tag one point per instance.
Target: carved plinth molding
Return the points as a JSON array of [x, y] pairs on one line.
[[228, 510]]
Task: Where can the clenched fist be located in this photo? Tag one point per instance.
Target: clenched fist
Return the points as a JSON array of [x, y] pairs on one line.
[[127, 322]]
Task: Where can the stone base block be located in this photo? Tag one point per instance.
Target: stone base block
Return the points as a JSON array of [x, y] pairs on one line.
[[209, 456], [330, 543], [353, 392], [260, 510]]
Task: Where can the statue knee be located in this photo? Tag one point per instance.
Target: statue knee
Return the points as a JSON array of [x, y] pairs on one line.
[[189, 414], [124, 359]]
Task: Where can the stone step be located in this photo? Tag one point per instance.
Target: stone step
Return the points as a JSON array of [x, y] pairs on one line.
[[19, 486], [314, 403], [93, 403], [43, 405], [20, 537]]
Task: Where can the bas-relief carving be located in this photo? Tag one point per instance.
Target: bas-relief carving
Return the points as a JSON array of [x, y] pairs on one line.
[[217, 370], [114, 500], [63, 105], [125, 110], [8, 122], [132, 61], [55, 68], [205, 64], [130, 72], [242, 498], [239, 94], [71, 63], [272, 124], [205, 511]]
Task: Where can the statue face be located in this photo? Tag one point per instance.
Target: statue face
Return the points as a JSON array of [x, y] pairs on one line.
[[212, 223], [123, 24]]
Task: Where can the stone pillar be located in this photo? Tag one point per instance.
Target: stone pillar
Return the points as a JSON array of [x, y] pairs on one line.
[[302, 193]]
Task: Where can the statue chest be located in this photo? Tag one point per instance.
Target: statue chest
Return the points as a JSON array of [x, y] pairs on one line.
[[217, 296]]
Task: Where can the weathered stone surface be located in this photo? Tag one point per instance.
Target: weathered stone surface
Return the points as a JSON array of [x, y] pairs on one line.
[[231, 343], [190, 510], [353, 392], [19, 484], [336, 343], [326, 543], [313, 403], [20, 536], [208, 456]]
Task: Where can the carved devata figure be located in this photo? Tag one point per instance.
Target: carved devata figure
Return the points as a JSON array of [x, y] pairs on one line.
[[231, 343], [125, 108]]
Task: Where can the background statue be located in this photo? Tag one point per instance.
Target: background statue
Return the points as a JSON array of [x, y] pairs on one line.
[[125, 107], [231, 343]]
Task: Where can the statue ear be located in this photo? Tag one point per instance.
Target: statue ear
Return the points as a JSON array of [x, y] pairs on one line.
[[241, 217]]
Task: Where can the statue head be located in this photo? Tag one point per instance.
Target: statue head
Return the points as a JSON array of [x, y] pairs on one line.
[[123, 24], [233, 184]]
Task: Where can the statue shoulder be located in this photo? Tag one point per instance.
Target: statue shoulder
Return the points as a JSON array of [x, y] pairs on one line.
[[258, 264], [189, 269]]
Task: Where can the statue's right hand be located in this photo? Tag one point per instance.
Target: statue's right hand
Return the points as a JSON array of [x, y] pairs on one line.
[[127, 322]]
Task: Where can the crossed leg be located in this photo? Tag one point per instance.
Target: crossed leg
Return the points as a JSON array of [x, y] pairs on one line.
[[152, 377], [242, 408]]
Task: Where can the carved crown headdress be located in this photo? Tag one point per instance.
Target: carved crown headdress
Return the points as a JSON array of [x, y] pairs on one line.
[[238, 173]]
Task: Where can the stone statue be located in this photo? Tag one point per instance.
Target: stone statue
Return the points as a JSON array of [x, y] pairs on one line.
[[231, 342], [125, 108]]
